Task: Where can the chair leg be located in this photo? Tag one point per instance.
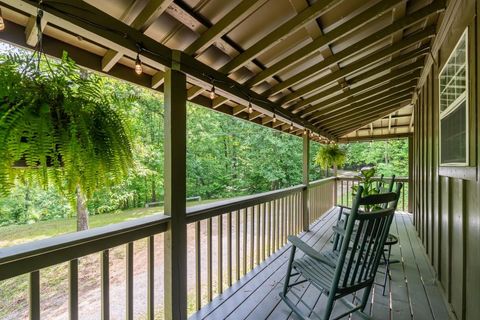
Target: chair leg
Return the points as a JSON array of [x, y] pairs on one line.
[[366, 294], [329, 306], [289, 271]]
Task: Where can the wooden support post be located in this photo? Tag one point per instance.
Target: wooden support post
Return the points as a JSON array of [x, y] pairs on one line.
[[306, 169], [410, 174], [175, 249]]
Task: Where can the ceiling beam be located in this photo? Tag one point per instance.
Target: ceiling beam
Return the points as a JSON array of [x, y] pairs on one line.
[[398, 25], [361, 63], [374, 137], [279, 34], [328, 38], [31, 30], [390, 79], [224, 25]]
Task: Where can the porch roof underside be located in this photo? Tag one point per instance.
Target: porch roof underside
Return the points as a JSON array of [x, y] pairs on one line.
[[334, 67]]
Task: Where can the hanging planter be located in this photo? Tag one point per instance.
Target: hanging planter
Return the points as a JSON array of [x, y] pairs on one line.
[[53, 116]]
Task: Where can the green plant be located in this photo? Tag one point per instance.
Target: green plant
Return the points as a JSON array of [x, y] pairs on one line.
[[366, 175], [59, 127], [330, 155]]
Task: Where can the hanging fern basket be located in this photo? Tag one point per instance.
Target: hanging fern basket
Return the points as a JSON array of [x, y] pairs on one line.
[[55, 116]]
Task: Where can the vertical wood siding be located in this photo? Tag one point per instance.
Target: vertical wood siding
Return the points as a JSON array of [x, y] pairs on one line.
[[446, 199]]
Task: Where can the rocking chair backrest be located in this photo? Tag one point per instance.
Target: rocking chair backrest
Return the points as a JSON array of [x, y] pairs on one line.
[[363, 242]]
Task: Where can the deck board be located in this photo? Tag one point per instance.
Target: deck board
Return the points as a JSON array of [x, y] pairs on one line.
[[411, 293]]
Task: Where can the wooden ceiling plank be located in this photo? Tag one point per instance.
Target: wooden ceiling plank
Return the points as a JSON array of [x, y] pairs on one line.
[[398, 25], [369, 60], [328, 38], [110, 59], [194, 91], [224, 25], [404, 74], [150, 13], [218, 101], [372, 114], [360, 124], [31, 30], [157, 79], [279, 34], [374, 100], [371, 95]]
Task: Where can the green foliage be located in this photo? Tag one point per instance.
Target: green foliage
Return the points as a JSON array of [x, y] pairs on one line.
[[62, 123], [366, 176], [330, 155]]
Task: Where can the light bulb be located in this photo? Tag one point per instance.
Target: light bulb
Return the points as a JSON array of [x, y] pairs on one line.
[[291, 126], [212, 93], [138, 65], [274, 119], [305, 131], [250, 108], [2, 23]]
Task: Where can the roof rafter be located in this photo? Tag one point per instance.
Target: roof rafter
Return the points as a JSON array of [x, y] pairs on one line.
[[277, 35]]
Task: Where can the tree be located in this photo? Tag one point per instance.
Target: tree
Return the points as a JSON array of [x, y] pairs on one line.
[[330, 155], [59, 125]]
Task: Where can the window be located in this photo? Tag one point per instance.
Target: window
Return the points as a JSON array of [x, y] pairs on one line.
[[454, 106]]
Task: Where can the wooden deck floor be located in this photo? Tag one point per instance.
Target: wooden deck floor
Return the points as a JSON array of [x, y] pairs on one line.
[[410, 294]]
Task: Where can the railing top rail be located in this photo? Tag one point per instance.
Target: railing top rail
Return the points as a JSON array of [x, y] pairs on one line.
[[209, 210], [321, 181], [351, 178], [28, 257]]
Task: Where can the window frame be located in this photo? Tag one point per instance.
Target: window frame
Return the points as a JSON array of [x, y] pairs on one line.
[[455, 105]]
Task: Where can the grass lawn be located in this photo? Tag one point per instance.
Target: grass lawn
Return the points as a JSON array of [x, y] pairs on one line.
[[17, 234]]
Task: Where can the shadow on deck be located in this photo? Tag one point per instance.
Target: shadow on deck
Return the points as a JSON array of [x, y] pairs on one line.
[[410, 294]]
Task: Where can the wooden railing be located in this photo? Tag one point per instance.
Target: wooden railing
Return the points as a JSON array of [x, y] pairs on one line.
[[345, 184], [226, 240]]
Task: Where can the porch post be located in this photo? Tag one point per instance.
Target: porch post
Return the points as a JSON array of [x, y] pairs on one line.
[[410, 174], [175, 239], [306, 169]]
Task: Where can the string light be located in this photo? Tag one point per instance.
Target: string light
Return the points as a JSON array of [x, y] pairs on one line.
[[2, 23], [250, 108], [291, 126], [305, 131], [274, 118], [138, 65], [212, 92]]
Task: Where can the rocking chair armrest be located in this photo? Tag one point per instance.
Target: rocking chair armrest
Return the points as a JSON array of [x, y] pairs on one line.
[[309, 251]]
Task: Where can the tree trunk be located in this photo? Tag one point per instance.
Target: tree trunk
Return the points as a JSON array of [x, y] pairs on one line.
[[82, 212], [327, 171], [335, 169]]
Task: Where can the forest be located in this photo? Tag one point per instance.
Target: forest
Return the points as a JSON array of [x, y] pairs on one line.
[[226, 157]]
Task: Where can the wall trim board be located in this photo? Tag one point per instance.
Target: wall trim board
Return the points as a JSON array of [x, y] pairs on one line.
[[465, 173]]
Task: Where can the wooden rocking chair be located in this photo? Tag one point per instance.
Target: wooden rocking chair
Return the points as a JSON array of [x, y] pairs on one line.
[[354, 267]]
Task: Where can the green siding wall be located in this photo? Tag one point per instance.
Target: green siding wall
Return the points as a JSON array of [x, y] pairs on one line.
[[446, 199]]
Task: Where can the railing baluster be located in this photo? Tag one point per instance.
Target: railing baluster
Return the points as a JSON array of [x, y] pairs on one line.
[[284, 223], [244, 247], [348, 193], [229, 249], [129, 284], [257, 233], [237, 245], [220, 254], [252, 236], [151, 277], [198, 267], [275, 230], [269, 228], [73, 288], [264, 221], [403, 198], [209, 260], [105, 274], [35, 295]]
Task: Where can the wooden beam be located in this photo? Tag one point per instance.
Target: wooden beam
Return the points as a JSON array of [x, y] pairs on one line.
[[279, 34], [369, 60], [361, 77], [328, 38], [374, 137], [194, 91], [369, 87], [398, 25], [224, 25], [175, 246], [254, 115], [157, 79], [31, 30], [110, 59], [218, 101]]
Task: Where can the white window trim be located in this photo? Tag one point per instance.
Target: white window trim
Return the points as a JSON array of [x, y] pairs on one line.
[[453, 106]]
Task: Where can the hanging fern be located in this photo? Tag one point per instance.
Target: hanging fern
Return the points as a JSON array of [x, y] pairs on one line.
[[59, 127]]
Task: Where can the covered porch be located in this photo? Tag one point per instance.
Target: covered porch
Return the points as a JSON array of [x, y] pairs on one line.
[[325, 71]]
